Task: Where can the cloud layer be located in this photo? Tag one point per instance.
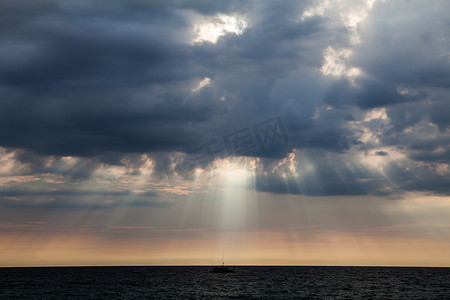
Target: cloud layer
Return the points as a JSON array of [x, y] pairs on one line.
[[122, 88]]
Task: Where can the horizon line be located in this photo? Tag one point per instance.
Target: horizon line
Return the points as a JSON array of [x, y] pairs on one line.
[[212, 265]]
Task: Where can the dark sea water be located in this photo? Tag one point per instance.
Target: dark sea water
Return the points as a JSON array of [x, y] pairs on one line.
[[245, 283]]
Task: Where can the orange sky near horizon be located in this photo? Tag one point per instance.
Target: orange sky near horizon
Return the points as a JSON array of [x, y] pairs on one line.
[[410, 244], [267, 248]]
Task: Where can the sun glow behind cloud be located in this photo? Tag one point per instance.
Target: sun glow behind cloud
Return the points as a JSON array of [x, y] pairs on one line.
[[237, 195]]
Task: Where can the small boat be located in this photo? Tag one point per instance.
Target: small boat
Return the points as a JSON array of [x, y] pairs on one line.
[[223, 269]]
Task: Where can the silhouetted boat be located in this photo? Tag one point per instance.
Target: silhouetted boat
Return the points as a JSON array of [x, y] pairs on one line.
[[223, 269]]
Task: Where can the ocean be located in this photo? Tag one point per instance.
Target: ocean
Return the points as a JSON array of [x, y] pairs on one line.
[[246, 283]]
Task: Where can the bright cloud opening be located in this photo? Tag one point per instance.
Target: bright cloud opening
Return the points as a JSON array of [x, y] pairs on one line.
[[376, 113], [212, 29], [347, 13], [335, 63], [204, 82]]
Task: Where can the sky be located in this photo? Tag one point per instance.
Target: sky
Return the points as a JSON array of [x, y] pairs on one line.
[[271, 132]]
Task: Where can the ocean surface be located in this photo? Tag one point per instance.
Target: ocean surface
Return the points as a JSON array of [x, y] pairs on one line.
[[245, 283]]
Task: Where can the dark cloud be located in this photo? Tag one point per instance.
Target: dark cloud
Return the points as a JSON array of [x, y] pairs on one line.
[[92, 78], [319, 174], [76, 199], [15, 193], [71, 80], [78, 204], [382, 153], [369, 94]]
